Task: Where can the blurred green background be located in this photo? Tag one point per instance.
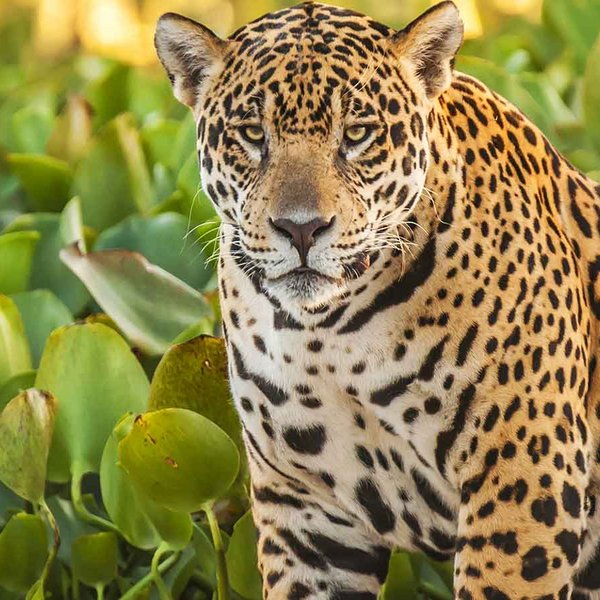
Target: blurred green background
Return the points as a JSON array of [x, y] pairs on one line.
[[102, 223]]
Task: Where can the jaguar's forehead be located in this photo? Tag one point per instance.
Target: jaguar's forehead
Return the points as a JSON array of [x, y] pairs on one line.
[[312, 22], [306, 57]]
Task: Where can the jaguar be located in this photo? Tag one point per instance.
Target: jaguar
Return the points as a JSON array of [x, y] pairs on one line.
[[409, 276]]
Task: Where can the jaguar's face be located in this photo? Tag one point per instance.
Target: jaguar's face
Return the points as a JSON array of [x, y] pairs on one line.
[[311, 137]]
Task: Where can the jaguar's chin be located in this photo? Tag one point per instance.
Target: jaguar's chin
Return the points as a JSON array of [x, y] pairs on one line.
[[305, 288]]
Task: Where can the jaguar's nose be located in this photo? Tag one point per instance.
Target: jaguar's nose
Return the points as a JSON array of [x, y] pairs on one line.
[[302, 235]]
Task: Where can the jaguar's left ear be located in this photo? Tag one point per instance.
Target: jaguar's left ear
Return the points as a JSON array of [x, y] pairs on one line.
[[430, 44], [189, 52]]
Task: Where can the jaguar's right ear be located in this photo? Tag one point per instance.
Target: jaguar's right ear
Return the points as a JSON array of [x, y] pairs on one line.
[[189, 52]]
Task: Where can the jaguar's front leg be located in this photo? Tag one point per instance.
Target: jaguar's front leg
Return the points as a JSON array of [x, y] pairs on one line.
[[308, 548], [522, 516]]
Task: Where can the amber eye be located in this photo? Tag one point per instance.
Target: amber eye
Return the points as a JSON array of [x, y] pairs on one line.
[[356, 134], [253, 134]]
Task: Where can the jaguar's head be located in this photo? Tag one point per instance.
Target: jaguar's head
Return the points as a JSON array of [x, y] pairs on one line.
[[312, 134]]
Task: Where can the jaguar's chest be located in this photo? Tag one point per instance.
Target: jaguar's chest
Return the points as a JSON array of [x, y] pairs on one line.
[[355, 417]]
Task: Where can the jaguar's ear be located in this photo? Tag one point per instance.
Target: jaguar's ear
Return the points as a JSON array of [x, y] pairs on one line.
[[189, 53], [430, 44]]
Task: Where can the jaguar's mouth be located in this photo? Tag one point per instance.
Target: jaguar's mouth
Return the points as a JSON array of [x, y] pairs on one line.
[[357, 267]]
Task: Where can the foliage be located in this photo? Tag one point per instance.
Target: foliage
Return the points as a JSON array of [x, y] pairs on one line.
[[111, 486]]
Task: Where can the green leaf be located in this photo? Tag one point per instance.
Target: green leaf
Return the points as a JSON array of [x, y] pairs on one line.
[[158, 136], [95, 558], [163, 241], [48, 272], [42, 312], [112, 177], [193, 375], [16, 258], [14, 351], [23, 552], [31, 127], [142, 522], [242, 560], [179, 458], [46, 180], [108, 93], [206, 556], [178, 576], [576, 22], [401, 583], [96, 379], [195, 202], [150, 93], [26, 426], [149, 305], [15, 385], [591, 95], [72, 130], [70, 525], [71, 224]]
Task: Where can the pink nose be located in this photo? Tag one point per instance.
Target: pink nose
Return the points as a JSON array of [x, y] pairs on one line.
[[302, 235]]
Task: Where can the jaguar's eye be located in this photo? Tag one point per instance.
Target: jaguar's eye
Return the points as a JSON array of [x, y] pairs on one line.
[[356, 134], [253, 134]]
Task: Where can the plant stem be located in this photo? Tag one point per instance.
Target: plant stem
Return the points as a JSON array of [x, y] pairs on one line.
[[163, 591], [55, 541], [80, 507], [222, 581], [432, 592], [100, 592], [134, 590]]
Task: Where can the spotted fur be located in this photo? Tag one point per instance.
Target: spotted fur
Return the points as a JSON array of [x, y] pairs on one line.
[[422, 373]]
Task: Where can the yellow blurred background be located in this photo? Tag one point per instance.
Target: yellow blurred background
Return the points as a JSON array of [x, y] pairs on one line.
[[123, 29]]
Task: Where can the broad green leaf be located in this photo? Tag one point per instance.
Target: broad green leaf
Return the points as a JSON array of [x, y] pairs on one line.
[[72, 130], [16, 259], [112, 177], [48, 272], [163, 241], [23, 551], [15, 385], [96, 379], [45, 179], [546, 97], [108, 93], [42, 312], [150, 94], [193, 375], [195, 203], [591, 95], [576, 23], [206, 556], [242, 560], [203, 327], [14, 350], [430, 581], [142, 522], [149, 305], [71, 224], [401, 583], [178, 576], [31, 126], [70, 525], [9, 502], [95, 558], [179, 458], [26, 426], [158, 136]]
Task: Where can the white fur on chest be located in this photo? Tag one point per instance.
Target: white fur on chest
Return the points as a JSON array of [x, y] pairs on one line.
[[328, 381]]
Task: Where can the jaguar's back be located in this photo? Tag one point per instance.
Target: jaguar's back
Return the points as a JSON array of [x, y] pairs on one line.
[[410, 285]]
